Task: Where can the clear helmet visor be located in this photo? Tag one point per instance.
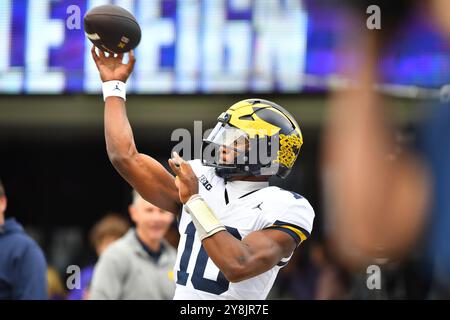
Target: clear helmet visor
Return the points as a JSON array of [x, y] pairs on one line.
[[225, 145]]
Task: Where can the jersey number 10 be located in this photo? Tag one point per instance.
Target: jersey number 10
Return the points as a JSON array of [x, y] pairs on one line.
[[218, 286]]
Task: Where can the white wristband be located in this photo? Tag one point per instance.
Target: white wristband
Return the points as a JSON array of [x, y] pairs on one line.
[[206, 223], [114, 88]]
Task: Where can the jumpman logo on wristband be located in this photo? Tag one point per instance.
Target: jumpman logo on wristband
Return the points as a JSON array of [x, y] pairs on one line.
[[117, 87]]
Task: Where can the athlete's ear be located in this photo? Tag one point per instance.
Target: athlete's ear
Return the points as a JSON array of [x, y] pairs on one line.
[[3, 204], [133, 213]]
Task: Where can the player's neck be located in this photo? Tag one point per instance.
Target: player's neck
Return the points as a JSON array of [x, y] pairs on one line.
[[2, 219]]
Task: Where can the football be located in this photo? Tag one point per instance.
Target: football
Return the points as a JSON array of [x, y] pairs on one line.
[[112, 28]]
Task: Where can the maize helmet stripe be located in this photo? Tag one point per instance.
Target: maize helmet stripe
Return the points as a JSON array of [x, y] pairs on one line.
[[261, 105], [252, 128]]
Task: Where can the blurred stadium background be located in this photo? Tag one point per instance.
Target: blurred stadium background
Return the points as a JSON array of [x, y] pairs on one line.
[[195, 59]]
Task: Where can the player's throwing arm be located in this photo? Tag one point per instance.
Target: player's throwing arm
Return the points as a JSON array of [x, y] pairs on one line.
[[144, 173]]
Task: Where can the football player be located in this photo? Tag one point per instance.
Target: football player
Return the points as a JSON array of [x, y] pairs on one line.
[[236, 230]]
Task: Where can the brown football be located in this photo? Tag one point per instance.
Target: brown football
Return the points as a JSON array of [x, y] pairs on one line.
[[112, 28]]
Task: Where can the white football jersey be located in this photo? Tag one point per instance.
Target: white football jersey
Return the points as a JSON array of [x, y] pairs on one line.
[[243, 207]]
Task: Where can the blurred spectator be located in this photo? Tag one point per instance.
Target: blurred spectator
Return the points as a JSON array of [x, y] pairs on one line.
[[56, 289], [401, 279], [110, 228], [380, 206], [312, 274], [436, 151], [332, 282], [22, 263], [140, 264], [297, 280], [369, 193]]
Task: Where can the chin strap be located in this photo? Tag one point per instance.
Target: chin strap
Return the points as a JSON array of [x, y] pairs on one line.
[[227, 173]]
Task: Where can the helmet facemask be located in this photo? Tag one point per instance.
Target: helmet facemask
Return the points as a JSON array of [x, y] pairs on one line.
[[234, 152]]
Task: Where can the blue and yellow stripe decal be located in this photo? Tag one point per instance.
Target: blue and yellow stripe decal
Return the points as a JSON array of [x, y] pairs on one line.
[[298, 233]]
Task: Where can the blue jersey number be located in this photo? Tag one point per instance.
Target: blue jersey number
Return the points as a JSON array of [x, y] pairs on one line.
[[218, 286]]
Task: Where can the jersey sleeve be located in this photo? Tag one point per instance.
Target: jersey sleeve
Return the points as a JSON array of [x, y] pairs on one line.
[[296, 219]]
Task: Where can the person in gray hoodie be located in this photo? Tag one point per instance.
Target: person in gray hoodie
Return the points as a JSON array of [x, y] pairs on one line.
[[138, 266]]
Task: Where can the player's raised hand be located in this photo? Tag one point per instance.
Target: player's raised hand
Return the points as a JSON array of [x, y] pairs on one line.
[[111, 67], [186, 181]]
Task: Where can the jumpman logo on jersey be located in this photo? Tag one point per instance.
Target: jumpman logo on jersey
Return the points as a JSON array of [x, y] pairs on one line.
[[258, 206], [117, 87]]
